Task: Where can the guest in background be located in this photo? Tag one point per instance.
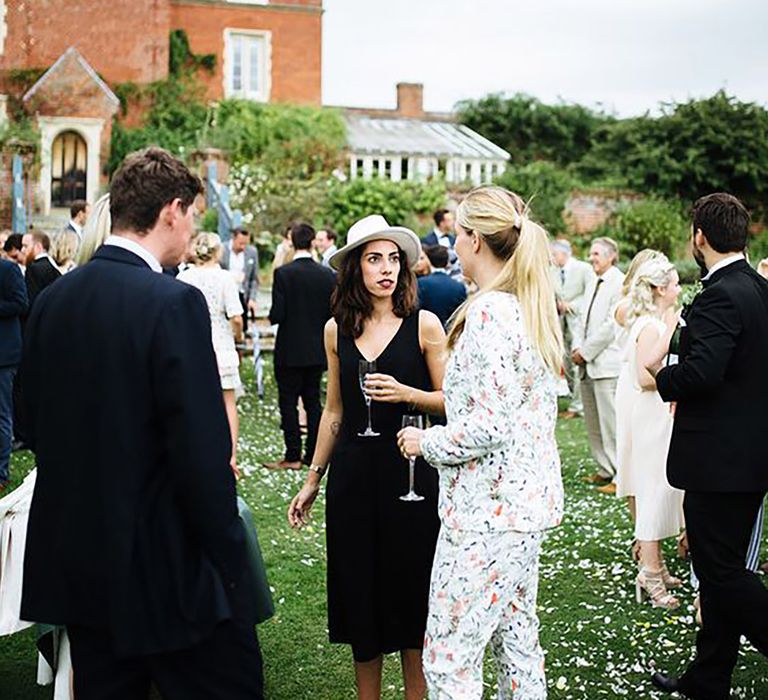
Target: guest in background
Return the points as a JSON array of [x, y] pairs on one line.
[[659, 507], [3, 238], [380, 548], [762, 268], [284, 251], [12, 249], [40, 268], [325, 244], [627, 392], [97, 228], [596, 352], [226, 314], [301, 305], [439, 293], [13, 305], [64, 250], [422, 266], [242, 261], [443, 232], [499, 468], [571, 278], [78, 215]]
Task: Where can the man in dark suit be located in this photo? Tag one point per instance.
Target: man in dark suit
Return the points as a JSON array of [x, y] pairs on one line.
[[717, 452], [40, 268], [301, 304], [134, 541], [443, 233], [242, 260], [439, 293], [13, 304]]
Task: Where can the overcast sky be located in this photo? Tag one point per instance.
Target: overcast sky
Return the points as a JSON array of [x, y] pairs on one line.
[[626, 55]]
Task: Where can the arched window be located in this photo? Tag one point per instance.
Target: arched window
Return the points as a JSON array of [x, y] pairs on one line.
[[69, 158]]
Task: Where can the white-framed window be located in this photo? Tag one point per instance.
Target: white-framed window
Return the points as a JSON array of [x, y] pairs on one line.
[[247, 64]]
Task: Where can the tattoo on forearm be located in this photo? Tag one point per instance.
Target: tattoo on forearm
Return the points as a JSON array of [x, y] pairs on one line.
[[335, 428]]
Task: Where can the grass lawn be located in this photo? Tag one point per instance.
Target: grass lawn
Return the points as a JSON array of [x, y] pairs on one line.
[[599, 643]]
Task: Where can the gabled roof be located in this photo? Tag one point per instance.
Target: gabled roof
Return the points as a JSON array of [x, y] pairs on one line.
[[367, 135], [72, 54]]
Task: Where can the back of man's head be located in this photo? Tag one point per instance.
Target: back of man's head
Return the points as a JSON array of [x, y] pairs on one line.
[[723, 220], [79, 205], [13, 242], [41, 238], [302, 235], [147, 181], [438, 256]]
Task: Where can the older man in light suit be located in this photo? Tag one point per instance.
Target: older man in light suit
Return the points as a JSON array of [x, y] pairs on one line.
[[596, 351], [570, 278]]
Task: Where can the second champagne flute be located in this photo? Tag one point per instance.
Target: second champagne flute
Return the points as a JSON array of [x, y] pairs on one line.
[[414, 422]]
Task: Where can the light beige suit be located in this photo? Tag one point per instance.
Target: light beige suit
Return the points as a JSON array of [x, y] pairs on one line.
[[596, 338], [570, 282]]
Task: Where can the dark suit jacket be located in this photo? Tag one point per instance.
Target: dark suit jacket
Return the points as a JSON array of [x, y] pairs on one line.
[[133, 528], [431, 239], [301, 304], [40, 273], [720, 387], [13, 305], [441, 295]]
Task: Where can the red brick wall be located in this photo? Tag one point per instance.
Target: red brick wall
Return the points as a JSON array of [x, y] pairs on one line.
[[124, 40], [296, 43]]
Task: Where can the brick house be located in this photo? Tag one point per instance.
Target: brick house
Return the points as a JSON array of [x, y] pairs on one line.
[[265, 50]]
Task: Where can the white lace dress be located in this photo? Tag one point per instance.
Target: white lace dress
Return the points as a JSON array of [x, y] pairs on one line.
[[220, 291]]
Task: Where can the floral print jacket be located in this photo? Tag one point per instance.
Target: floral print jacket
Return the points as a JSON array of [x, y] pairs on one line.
[[497, 457]]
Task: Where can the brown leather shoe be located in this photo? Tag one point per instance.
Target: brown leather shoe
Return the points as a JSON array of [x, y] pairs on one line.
[[597, 479], [282, 465], [610, 489], [567, 415]]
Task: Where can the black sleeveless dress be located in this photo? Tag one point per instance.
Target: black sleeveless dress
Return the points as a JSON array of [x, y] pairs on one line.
[[380, 549]]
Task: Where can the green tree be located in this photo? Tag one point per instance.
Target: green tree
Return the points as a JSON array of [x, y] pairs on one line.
[[546, 187], [531, 130]]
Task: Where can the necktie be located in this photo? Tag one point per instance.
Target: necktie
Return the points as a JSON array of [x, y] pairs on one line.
[[562, 276], [591, 302]]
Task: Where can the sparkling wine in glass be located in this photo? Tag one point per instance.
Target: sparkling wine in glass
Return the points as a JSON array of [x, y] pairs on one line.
[[412, 422], [364, 369]]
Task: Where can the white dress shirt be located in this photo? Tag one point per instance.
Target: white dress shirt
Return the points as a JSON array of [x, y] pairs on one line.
[[136, 249], [723, 263]]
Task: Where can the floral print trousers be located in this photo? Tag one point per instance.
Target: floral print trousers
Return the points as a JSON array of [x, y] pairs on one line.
[[483, 590]]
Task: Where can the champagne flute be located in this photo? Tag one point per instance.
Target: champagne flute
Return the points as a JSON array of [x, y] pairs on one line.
[[412, 422], [364, 369]]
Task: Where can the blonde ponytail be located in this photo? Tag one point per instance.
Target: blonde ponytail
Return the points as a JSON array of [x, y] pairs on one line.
[[500, 217]]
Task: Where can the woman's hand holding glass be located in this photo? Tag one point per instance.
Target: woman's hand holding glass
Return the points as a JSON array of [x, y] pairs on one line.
[[409, 442], [385, 388]]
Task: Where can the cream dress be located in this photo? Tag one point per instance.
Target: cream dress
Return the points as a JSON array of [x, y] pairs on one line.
[[659, 506], [625, 398]]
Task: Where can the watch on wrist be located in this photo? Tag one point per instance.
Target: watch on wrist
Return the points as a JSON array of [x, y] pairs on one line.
[[318, 469]]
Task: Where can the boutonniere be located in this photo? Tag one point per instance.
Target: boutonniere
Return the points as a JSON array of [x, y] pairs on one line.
[[687, 297]]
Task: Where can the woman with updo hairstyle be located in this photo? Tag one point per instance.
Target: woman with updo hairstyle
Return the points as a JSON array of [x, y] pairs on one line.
[[64, 250], [221, 295], [497, 459], [625, 391], [659, 507]]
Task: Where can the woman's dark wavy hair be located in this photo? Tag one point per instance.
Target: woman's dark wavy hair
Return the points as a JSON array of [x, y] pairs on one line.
[[351, 304]]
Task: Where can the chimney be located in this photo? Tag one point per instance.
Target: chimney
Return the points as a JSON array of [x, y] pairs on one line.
[[410, 100]]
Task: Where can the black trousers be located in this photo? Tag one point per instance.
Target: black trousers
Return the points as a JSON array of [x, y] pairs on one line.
[[292, 383], [225, 666], [733, 600]]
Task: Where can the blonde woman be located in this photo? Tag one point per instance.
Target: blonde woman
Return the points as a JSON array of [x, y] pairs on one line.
[[625, 392], [659, 507], [220, 291], [497, 460], [64, 247], [97, 228]]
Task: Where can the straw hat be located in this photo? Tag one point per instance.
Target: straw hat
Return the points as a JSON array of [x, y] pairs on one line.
[[376, 228]]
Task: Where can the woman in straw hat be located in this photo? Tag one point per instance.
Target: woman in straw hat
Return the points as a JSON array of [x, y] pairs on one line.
[[500, 484], [380, 547]]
